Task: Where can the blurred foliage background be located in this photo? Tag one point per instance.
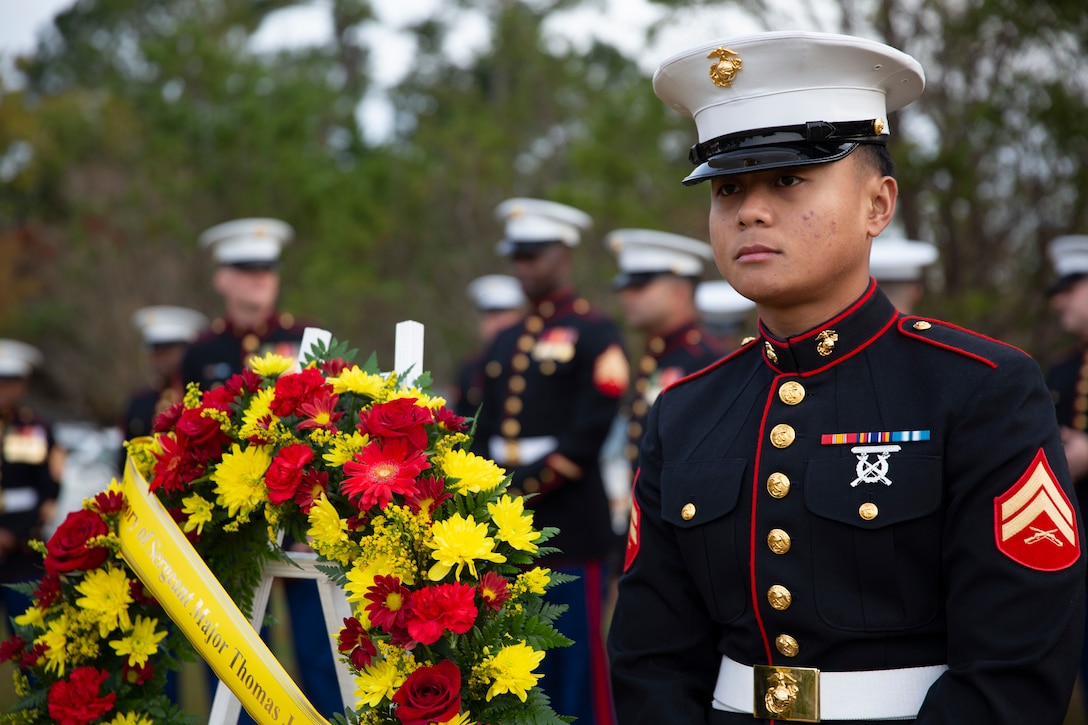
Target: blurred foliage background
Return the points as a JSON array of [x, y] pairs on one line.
[[135, 126]]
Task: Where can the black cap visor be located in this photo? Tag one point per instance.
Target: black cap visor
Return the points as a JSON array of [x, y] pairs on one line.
[[1065, 282], [263, 265], [634, 280], [524, 249], [816, 142]]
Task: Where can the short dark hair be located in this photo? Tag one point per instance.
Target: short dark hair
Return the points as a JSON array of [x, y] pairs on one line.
[[877, 155]]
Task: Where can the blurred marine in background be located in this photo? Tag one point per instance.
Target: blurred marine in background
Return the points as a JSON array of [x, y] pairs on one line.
[[552, 386]]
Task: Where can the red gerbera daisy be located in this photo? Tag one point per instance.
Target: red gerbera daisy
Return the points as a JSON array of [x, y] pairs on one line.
[[379, 471], [313, 484], [354, 640], [320, 411], [109, 502], [430, 493], [388, 606], [493, 590]]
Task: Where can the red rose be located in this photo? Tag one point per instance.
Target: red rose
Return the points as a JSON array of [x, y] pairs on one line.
[[199, 429], [75, 701], [295, 389], [285, 473], [429, 695], [399, 418], [67, 548]]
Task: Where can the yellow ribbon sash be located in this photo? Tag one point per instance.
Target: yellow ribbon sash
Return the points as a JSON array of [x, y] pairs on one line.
[[165, 561]]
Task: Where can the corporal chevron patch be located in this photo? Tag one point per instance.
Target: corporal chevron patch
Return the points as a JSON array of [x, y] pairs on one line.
[[1034, 522]]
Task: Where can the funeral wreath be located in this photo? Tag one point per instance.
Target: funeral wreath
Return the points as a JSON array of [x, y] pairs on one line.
[[449, 619]]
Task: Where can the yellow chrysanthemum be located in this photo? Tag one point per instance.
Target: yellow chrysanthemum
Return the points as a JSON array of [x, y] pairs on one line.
[[141, 642], [130, 718], [344, 448], [423, 400], [473, 473], [258, 417], [514, 524], [32, 617], [354, 380], [534, 581], [239, 480], [378, 681], [328, 530], [271, 365], [462, 719], [199, 512], [55, 640], [459, 542], [106, 595], [511, 670]]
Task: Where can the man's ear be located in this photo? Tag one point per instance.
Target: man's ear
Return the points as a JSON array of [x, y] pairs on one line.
[[883, 191]]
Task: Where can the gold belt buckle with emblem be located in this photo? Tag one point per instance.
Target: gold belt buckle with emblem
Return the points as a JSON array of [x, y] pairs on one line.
[[791, 694]]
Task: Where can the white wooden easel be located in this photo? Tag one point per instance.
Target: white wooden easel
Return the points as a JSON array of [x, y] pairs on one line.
[[226, 708]]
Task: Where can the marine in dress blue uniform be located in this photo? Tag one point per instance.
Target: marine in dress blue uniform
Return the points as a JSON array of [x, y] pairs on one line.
[[247, 252], [499, 304], [552, 387], [870, 518], [724, 314], [166, 332], [30, 470], [1067, 378], [658, 273], [899, 267]]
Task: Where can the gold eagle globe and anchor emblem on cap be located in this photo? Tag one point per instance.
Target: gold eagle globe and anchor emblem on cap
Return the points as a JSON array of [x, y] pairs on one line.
[[725, 70]]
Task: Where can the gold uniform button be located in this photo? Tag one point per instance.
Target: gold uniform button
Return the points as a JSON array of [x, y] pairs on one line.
[[547, 476], [647, 365], [641, 385], [520, 363], [779, 541], [547, 367], [868, 511], [922, 325], [547, 309], [534, 324], [531, 485], [657, 345], [791, 392], [779, 597], [778, 485], [688, 512], [787, 645], [634, 429], [494, 369], [639, 407], [517, 383], [514, 491], [250, 342], [513, 406], [782, 436], [581, 306], [511, 428], [630, 451], [526, 342]]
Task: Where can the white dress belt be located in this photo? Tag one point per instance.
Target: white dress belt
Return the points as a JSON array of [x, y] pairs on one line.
[[528, 450], [861, 695]]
